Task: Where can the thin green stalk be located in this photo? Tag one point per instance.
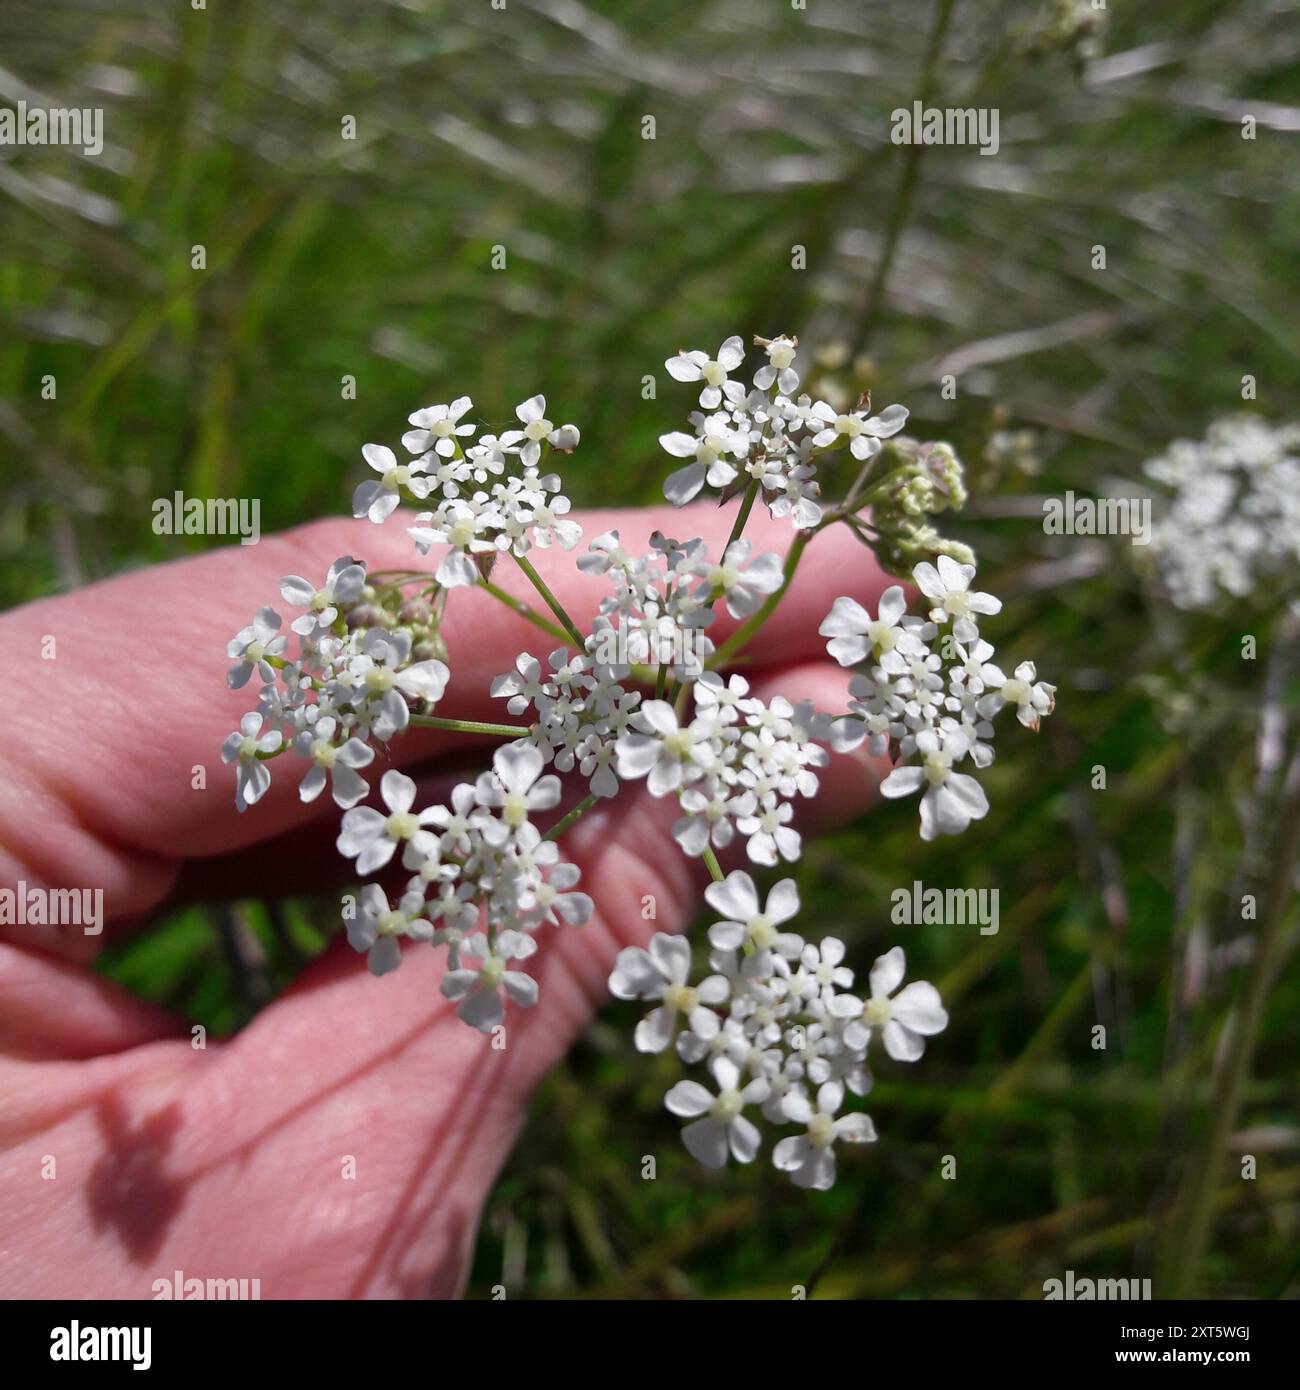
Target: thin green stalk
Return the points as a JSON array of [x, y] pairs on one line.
[[519, 607], [577, 813], [738, 639], [1194, 1209], [711, 863], [746, 506], [550, 600], [469, 726], [397, 577], [901, 206]]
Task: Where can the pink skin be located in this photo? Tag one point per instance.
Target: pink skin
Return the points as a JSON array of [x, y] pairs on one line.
[[228, 1162]]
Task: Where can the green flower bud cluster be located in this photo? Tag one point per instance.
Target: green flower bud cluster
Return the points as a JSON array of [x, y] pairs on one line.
[[386, 606]]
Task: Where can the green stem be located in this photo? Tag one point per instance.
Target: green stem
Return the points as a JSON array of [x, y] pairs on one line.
[[742, 516], [1189, 1228], [469, 726], [519, 607], [577, 813], [901, 205], [711, 863], [397, 577], [551, 601], [738, 639]]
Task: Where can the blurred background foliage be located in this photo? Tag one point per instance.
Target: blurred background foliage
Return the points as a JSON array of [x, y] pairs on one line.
[[523, 127]]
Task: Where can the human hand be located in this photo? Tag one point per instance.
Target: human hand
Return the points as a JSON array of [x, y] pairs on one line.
[[228, 1162]]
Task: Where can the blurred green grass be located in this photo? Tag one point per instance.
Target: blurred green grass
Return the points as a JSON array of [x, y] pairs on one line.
[[521, 128]]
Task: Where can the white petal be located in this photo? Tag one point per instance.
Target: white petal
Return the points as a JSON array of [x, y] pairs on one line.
[[688, 1099], [855, 1128], [901, 1043], [782, 902], [903, 781], [381, 459], [887, 973], [706, 1141], [518, 765], [398, 791], [680, 487], [745, 1139], [847, 618], [791, 1153], [655, 1031], [735, 897], [893, 604], [672, 954], [920, 1009], [425, 680]]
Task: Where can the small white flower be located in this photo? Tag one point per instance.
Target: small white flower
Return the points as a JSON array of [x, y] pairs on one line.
[[722, 1126], [769, 834], [711, 816], [252, 646], [712, 371], [378, 927], [457, 823], [479, 990], [1032, 698], [381, 680], [748, 922], [663, 752], [253, 776], [437, 428], [855, 634], [810, 1158], [379, 497], [343, 584], [744, 589], [532, 415], [793, 492], [915, 1014], [515, 787], [661, 973], [708, 451], [952, 799], [948, 588], [973, 671], [780, 365], [468, 528], [372, 838], [864, 435], [338, 761], [821, 971], [555, 904]]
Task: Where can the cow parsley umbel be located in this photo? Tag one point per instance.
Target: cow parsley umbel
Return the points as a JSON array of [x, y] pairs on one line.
[[644, 694]]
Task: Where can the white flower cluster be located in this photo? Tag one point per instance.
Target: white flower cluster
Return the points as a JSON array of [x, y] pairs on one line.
[[777, 1024], [345, 688], [637, 695], [735, 767], [929, 689], [764, 434], [478, 512], [484, 881], [1232, 526]]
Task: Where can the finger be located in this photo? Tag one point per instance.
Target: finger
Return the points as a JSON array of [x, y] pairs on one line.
[[51, 1009]]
